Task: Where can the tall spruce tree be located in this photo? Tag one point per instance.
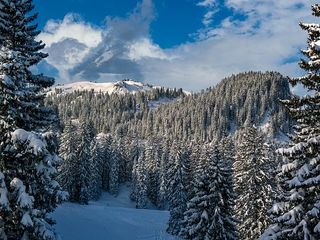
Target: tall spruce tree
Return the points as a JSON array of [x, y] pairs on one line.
[[96, 169], [162, 192], [28, 157], [297, 213], [179, 188], [252, 184], [142, 176], [151, 162], [68, 151], [209, 212], [114, 171], [134, 180], [106, 150], [84, 168]]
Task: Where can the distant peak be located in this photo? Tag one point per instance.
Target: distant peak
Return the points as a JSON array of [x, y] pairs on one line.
[[119, 87]]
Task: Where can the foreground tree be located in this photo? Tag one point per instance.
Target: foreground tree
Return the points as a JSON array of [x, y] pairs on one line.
[[253, 184], [209, 212], [114, 171], [28, 160], [142, 176], [84, 168], [297, 213], [68, 151], [179, 188]]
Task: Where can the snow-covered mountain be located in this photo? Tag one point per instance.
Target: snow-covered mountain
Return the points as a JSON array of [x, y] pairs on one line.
[[120, 87]]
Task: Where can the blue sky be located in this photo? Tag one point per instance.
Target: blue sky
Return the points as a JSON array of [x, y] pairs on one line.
[[176, 43], [173, 24]]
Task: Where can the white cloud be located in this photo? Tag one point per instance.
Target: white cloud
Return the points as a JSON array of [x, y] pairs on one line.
[[212, 9], [267, 37], [125, 41], [208, 18], [207, 3], [68, 42], [144, 48], [70, 27]]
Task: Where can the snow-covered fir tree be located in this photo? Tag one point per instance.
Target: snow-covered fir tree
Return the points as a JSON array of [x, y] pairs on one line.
[[253, 184], [162, 192], [132, 153], [105, 142], [68, 151], [153, 171], [209, 213], [141, 187], [76, 170], [96, 167], [134, 180], [179, 188], [114, 172], [85, 164], [227, 149], [28, 157], [296, 215]]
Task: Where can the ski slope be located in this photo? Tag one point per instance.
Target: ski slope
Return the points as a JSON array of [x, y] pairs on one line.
[[111, 218]]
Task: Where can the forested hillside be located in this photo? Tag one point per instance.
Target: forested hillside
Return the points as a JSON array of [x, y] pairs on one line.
[[159, 140], [238, 101]]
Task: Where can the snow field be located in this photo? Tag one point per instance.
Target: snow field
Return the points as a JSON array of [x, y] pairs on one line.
[[111, 218]]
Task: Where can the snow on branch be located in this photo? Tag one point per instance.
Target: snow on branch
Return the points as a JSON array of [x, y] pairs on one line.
[[35, 143], [23, 198], [4, 203]]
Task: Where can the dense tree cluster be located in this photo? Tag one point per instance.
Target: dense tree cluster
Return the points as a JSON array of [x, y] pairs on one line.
[[154, 147], [178, 156], [254, 169], [238, 101], [209, 211]]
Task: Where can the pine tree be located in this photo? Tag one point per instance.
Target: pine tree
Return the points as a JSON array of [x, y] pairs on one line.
[[119, 147], [178, 193], [209, 212], [226, 147], [85, 167], [253, 184], [68, 151], [28, 157], [106, 150], [296, 215], [114, 173], [132, 153], [162, 192], [134, 180], [141, 188], [96, 169], [151, 162]]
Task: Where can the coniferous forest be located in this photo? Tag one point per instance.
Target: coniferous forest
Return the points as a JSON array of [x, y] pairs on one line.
[[239, 160]]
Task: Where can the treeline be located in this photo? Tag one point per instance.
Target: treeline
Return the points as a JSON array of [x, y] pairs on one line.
[[196, 181], [238, 101], [108, 111]]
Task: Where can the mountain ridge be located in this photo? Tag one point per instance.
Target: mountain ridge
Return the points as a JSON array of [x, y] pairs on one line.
[[241, 100], [119, 87]]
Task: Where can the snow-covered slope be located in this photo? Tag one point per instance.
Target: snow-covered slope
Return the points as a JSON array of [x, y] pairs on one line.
[[121, 87], [112, 219]]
